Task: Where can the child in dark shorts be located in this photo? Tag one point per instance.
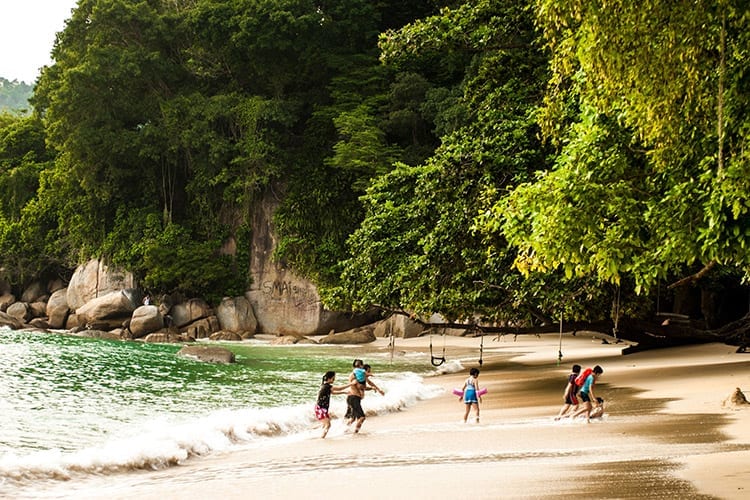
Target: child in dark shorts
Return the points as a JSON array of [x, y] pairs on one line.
[[587, 393], [324, 400]]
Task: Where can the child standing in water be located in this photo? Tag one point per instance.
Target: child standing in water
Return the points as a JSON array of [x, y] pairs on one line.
[[570, 401], [587, 393], [324, 400], [470, 393]]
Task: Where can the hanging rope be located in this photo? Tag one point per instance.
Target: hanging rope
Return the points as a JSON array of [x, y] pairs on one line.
[[617, 313], [434, 359], [481, 349], [392, 345], [559, 347]]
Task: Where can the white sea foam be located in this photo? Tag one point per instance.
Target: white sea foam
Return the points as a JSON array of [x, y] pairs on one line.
[[452, 366], [162, 443]]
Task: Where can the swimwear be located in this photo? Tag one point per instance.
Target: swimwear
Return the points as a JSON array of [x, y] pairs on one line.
[[572, 380], [360, 375], [571, 398], [470, 393], [324, 396], [585, 397], [355, 405], [321, 413], [586, 387]]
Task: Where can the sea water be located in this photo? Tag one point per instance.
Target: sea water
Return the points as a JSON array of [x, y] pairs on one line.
[[72, 406]]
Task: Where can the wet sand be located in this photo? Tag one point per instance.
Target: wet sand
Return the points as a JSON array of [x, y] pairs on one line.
[[666, 434]]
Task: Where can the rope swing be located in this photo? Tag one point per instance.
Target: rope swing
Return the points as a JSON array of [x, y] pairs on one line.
[[437, 361]]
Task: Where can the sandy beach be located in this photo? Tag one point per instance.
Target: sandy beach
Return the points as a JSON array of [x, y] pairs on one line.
[[666, 434]]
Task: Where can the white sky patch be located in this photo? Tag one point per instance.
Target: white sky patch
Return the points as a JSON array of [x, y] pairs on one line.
[[27, 33]]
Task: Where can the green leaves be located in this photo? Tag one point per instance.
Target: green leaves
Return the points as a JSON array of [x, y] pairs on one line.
[[660, 73]]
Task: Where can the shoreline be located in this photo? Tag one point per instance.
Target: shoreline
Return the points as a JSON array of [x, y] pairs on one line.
[[665, 434]]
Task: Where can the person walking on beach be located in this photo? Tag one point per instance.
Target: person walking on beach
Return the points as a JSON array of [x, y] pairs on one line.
[[587, 393], [324, 400], [360, 375], [357, 376], [354, 411], [570, 400], [470, 393]]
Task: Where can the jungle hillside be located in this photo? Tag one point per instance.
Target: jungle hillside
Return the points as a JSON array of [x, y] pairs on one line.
[[508, 165]]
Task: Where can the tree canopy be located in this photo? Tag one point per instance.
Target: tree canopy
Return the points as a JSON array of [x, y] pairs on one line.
[[649, 105], [491, 161]]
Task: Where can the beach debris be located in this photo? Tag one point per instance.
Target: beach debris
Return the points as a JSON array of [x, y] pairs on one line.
[[736, 399]]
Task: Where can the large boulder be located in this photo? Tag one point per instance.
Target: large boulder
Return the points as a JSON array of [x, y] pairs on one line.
[[210, 354], [113, 306], [236, 315], [145, 320], [95, 279], [38, 309], [223, 336], [55, 285], [362, 335], [188, 312], [10, 321], [34, 292], [282, 301], [39, 323], [165, 304], [201, 329], [98, 334], [6, 300], [164, 337], [398, 325], [21, 311], [57, 309]]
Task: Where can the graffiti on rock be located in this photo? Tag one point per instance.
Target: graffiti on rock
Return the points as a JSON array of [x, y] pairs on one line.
[[300, 297]]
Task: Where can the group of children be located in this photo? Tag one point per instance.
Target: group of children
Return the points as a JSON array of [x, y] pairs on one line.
[[359, 382], [582, 384], [579, 384]]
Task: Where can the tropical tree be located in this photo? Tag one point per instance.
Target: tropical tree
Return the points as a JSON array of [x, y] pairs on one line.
[[418, 249], [24, 157], [648, 103]]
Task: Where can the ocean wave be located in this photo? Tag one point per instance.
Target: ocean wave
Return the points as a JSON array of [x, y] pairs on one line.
[[163, 444]]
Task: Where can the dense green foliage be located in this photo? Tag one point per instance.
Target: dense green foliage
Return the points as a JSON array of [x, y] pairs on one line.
[[653, 169], [170, 119], [505, 161]]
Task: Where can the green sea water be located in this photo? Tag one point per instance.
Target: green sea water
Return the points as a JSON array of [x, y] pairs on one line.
[[66, 393]]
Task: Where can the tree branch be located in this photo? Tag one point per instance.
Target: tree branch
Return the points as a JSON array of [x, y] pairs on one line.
[[693, 277]]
